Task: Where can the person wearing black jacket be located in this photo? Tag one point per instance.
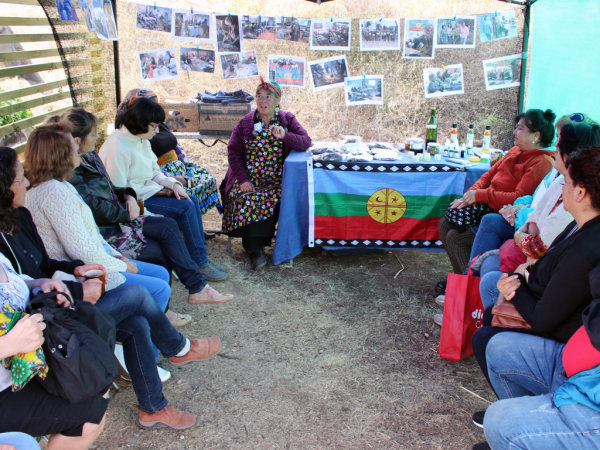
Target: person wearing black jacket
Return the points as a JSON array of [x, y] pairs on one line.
[[557, 290]]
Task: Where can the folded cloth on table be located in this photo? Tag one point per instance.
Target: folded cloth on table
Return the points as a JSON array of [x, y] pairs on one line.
[[238, 96]]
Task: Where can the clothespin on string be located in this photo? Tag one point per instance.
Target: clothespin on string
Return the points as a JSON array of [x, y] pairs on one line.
[[332, 17], [443, 67], [382, 16], [454, 14], [154, 5], [259, 17], [229, 12], [192, 10], [495, 12], [364, 75], [198, 48]]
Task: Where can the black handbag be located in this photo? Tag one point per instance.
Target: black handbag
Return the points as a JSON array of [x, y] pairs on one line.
[[79, 344], [467, 217]]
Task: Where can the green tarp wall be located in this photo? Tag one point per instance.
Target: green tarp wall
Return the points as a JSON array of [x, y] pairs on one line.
[[565, 57]]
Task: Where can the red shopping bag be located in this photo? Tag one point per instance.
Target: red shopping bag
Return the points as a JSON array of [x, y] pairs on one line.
[[463, 313]]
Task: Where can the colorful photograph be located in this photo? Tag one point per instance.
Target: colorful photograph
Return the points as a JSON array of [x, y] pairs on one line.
[[190, 25], [154, 18], [502, 73], [366, 90], [292, 29], [86, 10], [419, 37], [440, 82], [330, 34], [328, 73], [498, 25], [259, 27], [456, 32], [379, 34], [239, 65], [228, 36], [66, 10], [100, 22], [287, 70], [197, 60], [160, 64], [110, 21]]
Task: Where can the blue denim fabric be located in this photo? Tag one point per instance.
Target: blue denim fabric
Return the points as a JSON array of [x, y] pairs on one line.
[[187, 214], [155, 279], [21, 441], [493, 231], [141, 323], [525, 371], [490, 274], [166, 247]]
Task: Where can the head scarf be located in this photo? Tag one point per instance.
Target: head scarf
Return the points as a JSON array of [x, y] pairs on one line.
[[132, 96], [270, 84]]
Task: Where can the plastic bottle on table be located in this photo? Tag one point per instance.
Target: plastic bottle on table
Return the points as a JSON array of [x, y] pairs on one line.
[[470, 139], [487, 138], [454, 135]]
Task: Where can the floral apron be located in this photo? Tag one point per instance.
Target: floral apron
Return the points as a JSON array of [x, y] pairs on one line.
[[264, 156]]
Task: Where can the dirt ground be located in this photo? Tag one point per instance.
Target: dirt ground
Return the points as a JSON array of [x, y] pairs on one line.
[[332, 352]]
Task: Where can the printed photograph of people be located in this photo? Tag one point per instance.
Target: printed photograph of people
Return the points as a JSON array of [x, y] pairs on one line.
[[228, 37], [379, 34], [440, 82], [190, 25], [239, 65], [292, 29], [328, 34], [66, 10], [328, 73], [367, 90], [110, 21], [498, 25], [456, 32], [502, 73], [100, 22], [86, 10], [258, 27], [287, 70], [197, 60], [154, 18], [419, 37], [160, 64]]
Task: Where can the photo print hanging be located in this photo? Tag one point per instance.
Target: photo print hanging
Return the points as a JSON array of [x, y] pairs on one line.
[[100, 22], [503, 72], [228, 38], [66, 10], [328, 73], [443, 81], [190, 25], [109, 15], [239, 65], [154, 18], [365, 90], [86, 11], [262, 28], [197, 60], [287, 70], [456, 32], [419, 38], [497, 25], [379, 34], [159, 64], [292, 29], [330, 34]]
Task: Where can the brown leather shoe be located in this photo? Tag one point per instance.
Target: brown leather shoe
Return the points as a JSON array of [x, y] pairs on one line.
[[168, 417], [200, 350]]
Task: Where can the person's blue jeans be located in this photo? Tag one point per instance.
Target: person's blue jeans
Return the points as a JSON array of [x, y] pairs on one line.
[[187, 214], [525, 371], [140, 324], [154, 278], [166, 247], [493, 231], [21, 441], [490, 274]]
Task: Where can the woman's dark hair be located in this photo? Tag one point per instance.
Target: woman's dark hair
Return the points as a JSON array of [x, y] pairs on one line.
[[575, 137], [8, 172], [82, 122], [141, 113], [584, 169], [540, 121]]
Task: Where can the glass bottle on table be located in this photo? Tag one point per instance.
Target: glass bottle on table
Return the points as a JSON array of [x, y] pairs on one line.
[[470, 139], [454, 135], [487, 138], [431, 134]]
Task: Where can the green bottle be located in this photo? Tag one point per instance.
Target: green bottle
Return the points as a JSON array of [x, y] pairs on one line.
[[431, 134]]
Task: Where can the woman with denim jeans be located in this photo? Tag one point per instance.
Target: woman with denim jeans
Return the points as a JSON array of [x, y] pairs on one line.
[[130, 162]]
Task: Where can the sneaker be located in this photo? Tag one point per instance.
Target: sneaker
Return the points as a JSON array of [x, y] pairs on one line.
[[208, 295], [258, 260], [200, 350], [169, 417], [178, 320], [440, 287], [478, 418], [438, 318], [217, 266], [211, 273], [440, 300], [163, 374]]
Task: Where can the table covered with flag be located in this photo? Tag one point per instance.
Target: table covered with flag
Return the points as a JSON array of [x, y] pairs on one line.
[[392, 205]]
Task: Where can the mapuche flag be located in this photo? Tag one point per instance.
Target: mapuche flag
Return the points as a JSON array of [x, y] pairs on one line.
[[382, 205]]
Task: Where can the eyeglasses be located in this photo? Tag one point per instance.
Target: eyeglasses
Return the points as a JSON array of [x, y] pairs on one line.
[[154, 127], [577, 117]]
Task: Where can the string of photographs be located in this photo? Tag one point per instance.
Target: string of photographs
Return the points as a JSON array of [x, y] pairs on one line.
[[98, 16]]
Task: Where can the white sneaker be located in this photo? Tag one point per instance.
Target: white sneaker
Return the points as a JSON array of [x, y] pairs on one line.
[[438, 319], [440, 300], [164, 375]]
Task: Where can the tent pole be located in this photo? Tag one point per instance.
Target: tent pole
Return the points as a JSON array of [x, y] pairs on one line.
[[525, 57], [116, 59]]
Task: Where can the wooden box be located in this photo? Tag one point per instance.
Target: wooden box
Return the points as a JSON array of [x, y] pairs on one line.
[[217, 119], [180, 116]]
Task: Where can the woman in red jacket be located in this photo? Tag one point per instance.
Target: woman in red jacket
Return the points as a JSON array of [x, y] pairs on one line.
[[518, 173]]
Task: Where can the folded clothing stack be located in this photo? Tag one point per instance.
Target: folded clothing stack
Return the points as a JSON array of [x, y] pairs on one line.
[[225, 97]]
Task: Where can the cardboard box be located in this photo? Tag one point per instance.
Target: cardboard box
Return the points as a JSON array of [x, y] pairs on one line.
[[217, 119], [181, 117]]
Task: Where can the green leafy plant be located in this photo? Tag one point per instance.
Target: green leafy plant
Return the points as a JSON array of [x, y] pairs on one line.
[[19, 115]]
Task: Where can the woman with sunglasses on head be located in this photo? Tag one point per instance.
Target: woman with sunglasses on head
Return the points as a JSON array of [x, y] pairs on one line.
[[130, 162], [251, 189]]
